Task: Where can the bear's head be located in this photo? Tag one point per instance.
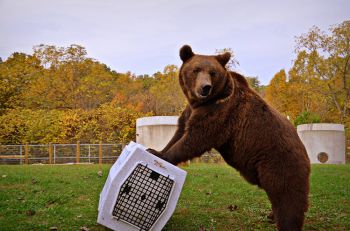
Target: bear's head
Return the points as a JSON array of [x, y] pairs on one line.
[[202, 77]]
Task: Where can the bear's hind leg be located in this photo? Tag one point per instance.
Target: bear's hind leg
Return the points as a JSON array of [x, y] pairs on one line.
[[288, 211], [288, 194]]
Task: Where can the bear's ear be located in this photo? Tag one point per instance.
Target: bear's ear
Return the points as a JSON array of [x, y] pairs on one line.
[[186, 53], [223, 58]]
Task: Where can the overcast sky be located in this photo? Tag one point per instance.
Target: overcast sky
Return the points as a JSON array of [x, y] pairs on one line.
[[145, 36]]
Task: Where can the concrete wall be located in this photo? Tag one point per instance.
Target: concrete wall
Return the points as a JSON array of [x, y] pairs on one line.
[[325, 142], [155, 131]]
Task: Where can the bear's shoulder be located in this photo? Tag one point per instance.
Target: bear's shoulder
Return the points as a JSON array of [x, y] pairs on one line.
[[240, 79]]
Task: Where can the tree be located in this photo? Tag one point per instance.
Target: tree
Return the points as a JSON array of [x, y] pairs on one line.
[[107, 123], [306, 118], [16, 75], [70, 80], [276, 92], [328, 56], [255, 84], [295, 93], [233, 61], [52, 56], [167, 97], [19, 126], [318, 82], [305, 89]]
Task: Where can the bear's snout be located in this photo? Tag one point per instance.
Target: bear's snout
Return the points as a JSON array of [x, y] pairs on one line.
[[203, 85]]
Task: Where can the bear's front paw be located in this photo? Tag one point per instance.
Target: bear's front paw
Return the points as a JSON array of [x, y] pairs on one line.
[[154, 152], [158, 154]]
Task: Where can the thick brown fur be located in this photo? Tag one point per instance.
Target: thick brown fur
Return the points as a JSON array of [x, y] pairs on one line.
[[251, 136]]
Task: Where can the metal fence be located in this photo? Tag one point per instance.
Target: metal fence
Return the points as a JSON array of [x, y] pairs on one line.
[[75, 153], [59, 153], [84, 153]]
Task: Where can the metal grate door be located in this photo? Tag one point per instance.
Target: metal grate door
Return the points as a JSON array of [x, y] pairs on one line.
[[143, 197]]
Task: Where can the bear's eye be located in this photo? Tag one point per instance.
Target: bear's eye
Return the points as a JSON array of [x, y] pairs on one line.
[[212, 73], [196, 70]]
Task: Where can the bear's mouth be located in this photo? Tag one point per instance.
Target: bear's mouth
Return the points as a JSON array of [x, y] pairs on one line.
[[200, 96], [204, 92]]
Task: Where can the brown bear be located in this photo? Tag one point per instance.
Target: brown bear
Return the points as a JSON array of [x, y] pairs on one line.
[[224, 113]]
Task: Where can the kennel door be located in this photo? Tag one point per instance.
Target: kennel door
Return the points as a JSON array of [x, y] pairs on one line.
[[143, 197]]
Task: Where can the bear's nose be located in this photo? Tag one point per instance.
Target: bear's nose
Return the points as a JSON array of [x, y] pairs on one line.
[[206, 90]]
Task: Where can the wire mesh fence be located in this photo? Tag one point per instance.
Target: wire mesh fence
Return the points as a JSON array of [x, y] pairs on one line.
[[75, 153], [84, 153], [11, 154], [59, 153]]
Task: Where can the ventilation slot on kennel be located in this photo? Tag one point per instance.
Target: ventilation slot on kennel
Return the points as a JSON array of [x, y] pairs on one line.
[[143, 197]]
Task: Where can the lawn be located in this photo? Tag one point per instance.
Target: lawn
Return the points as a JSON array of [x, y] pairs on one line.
[[214, 197]]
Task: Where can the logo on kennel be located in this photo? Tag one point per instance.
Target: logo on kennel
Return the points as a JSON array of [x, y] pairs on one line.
[[139, 195]]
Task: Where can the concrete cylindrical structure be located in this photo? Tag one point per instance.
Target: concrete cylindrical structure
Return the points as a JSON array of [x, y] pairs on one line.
[[156, 131], [324, 143]]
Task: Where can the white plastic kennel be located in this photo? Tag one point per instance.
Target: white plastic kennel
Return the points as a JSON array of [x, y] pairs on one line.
[[141, 191]]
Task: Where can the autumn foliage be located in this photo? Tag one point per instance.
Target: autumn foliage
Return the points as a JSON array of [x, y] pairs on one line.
[[60, 95], [317, 86]]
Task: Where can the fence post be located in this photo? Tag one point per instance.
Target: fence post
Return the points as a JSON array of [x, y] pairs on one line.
[[78, 153], [26, 153], [21, 153], [100, 155], [50, 153], [54, 154]]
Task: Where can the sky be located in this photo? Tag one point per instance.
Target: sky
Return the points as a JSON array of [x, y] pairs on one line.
[[145, 36]]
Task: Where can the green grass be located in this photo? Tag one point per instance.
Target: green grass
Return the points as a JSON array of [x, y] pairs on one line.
[[66, 197]]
